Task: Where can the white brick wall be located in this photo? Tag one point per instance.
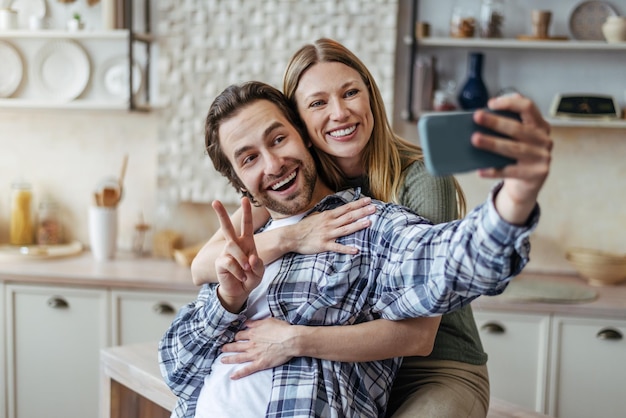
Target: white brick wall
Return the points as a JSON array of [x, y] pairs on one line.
[[209, 44]]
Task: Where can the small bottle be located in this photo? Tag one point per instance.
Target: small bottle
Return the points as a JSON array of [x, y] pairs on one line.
[[49, 230], [21, 223], [423, 84], [473, 94], [491, 18]]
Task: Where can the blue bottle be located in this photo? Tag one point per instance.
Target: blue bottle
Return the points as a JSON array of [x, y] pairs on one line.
[[473, 94]]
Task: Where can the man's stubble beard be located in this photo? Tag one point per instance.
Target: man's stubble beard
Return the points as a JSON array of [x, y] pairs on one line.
[[299, 201]]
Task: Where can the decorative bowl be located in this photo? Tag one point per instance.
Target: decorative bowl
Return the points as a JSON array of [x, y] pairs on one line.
[[598, 267]]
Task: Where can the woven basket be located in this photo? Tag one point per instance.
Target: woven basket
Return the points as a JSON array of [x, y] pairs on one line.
[[598, 267]]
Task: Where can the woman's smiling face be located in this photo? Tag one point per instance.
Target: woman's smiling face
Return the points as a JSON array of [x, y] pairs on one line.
[[334, 103]]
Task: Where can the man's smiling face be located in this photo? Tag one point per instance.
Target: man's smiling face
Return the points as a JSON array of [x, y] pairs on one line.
[[270, 158]]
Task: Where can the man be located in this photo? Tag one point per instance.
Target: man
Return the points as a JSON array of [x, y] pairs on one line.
[[405, 268]]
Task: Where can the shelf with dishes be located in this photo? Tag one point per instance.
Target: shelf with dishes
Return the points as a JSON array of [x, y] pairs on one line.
[[119, 34], [511, 43], [62, 73]]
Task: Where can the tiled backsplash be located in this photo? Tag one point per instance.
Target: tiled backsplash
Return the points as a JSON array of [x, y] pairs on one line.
[[209, 44]]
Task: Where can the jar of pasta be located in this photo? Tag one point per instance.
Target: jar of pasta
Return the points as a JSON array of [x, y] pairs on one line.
[[21, 222], [49, 231]]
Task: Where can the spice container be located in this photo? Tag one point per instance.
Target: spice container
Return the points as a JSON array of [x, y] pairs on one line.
[[21, 223], [462, 22], [49, 231], [491, 18]]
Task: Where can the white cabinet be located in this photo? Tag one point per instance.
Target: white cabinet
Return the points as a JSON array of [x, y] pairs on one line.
[[140, 316], [517, 346], [3, 373], [564, 366], [54, 337], [588, 371]]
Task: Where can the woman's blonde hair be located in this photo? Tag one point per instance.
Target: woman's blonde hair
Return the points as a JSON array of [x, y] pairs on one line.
[[386, 155]]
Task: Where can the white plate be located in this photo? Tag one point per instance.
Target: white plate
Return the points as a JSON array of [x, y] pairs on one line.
[[61, 70], [11, 69], [585, 21], [114, 77], [28, 8]]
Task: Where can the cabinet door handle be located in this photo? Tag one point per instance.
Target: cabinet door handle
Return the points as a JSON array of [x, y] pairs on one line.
[[57, 302], [493, 328], [163, 308], [609, 334]]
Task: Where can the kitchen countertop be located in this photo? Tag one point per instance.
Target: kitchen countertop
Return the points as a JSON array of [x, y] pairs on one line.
[[609, 303], [127, 271]]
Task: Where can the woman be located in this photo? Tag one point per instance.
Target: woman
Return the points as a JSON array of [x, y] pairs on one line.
[[341, 105]]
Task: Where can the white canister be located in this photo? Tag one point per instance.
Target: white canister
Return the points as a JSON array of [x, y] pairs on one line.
[[102, 227], [614, 29], [8, 19]]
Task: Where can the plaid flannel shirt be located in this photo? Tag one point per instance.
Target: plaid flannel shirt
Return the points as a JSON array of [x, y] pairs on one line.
[[405, 268]]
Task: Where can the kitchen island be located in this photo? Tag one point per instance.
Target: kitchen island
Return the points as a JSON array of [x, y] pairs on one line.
[[132, 387]]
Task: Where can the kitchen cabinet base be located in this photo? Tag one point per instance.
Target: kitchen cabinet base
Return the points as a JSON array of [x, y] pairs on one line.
[[125, 403]]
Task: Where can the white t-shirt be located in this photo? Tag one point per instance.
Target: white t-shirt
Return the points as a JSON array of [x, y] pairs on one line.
[[222, 396]]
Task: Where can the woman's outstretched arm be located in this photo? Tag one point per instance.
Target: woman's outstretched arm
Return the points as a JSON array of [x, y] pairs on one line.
[[272, 342]]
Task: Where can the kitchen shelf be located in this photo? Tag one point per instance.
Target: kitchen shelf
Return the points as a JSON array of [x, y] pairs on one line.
[[97, 40], [508, 47], [515, 44], [70, 105], [558, 122], [116, 34]]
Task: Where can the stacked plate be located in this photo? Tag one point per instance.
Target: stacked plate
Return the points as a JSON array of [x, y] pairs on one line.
[[11, 70]]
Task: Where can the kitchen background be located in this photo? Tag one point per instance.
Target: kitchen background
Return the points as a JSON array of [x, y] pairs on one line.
[[202, 46]]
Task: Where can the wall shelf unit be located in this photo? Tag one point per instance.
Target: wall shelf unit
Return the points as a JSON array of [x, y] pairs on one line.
[[106, 50], [538, 69]]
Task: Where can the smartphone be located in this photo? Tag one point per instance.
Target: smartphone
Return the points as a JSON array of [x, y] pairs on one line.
[[446, 141]]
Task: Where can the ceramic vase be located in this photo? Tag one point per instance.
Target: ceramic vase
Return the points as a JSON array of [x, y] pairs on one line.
[[473, 94]]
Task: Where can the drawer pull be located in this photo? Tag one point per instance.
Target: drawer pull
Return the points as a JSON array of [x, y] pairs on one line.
[[609, 334], [163, 308], [57, 302], [493, 328]]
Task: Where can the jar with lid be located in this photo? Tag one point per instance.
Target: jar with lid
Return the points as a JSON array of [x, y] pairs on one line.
[[491, 18], [21, 222], [49, 231], [462, 21]]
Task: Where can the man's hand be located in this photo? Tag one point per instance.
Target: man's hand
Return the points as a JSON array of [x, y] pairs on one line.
[[238, 267], [531, 147], [266, 343]]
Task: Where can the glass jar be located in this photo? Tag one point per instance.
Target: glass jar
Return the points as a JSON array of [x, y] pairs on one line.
[[491, 18], [21, 223], [462, 21], [49, 230], [444, 98]]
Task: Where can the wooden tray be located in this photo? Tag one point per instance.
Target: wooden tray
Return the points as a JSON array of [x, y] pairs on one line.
[[537, 38]]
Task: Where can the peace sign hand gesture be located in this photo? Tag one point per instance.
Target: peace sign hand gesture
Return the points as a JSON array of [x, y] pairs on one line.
[[239, 268]]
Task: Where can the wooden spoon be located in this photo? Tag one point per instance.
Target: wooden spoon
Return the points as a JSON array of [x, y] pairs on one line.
[[110, 197]]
